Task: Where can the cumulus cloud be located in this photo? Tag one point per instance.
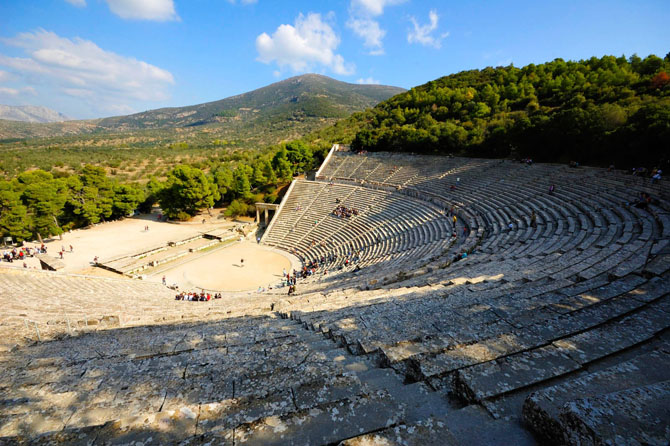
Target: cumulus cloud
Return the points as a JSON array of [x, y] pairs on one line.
[[158, 10], [371, 33], [372, 7], [362, 22], [77, 3], [423, 34], [78, 68], [309, 43], [368, 81]]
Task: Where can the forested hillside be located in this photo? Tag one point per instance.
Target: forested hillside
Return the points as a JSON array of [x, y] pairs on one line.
[[607, 110]]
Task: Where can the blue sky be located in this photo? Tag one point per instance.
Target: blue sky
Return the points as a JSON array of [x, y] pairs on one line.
[[95, 58]]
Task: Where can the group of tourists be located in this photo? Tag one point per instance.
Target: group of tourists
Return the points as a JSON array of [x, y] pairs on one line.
[[655, 174], [197, 297], [310, 268], [23, 252], [342, 211]]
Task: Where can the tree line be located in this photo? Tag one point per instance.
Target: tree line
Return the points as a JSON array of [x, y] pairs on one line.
[[598, 111], [38, 204]]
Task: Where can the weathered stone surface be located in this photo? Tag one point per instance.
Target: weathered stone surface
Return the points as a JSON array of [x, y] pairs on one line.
[[541, 409], [638, 416], [430, 432], [493, 378], [528, 308], [323, 425]]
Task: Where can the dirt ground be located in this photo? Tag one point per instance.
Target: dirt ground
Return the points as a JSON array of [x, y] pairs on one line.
[[119, 238], [219, 269], [222, 270]]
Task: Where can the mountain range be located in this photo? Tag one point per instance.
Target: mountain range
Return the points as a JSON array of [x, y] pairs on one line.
[[312, 100], [30, 113]]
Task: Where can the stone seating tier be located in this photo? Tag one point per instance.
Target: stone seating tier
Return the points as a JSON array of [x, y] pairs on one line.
[[541, 327]]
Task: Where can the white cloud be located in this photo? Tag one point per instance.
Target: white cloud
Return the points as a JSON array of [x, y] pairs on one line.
[[158, 10], [5, 76], [309, 43], [77, 3], [371, 33], [372, 7], [422, 34], [80, 69], [368, 81], [362, 23], [7, 91]]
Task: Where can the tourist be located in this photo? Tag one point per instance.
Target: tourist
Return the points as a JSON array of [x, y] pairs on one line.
[[533, 220], [71, 248], [657, 176], [552, 188], [164, 281]]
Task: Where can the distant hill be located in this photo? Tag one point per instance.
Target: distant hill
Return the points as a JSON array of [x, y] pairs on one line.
[[311, 98], [309, 95], [30, 113]]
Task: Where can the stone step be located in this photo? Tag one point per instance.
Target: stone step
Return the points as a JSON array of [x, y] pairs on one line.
[[494, 378], [541, 409], [431, 432], [637, 416], [418, 401], [603, 304], [469, 426], [326, 424]]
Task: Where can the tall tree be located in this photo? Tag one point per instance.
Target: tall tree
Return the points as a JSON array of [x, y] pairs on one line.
[[281, 165], [45, 201], [241, 183], [126, 199], [14, 219], [186, 191]]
